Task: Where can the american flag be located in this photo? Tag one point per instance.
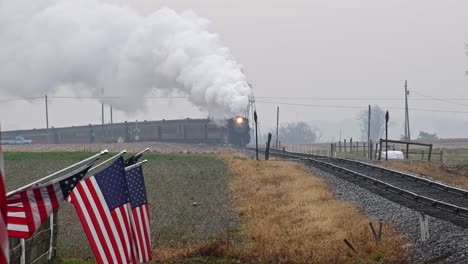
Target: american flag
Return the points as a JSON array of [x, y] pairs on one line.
[[140, 212], [4, 251], [28, 209], [102, 203]]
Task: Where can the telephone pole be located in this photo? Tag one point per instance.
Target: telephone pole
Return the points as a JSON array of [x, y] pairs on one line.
[[407, 126], [102, 108], [47, 118], [277, 124]]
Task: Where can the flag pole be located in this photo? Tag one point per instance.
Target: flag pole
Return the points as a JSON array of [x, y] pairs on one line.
[[135, 165], [58, 172], [107, 160], [143, 151]]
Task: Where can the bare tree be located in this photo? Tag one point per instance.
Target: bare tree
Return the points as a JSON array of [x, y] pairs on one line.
[[377, 124]]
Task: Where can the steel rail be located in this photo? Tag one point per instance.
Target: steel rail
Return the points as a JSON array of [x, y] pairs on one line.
[[424, 200], [414, 178], [461, 211]]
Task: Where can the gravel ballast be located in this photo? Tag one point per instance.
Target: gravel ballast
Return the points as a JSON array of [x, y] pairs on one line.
[[448, 243]]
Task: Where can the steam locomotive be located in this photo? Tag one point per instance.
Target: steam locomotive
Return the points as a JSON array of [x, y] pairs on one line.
[[234, 131]]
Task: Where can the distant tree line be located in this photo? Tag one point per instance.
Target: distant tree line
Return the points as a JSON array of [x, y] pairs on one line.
[[294, 133]]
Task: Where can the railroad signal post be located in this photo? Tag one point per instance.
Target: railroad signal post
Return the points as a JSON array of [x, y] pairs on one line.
[[256, 133], [386, 135]]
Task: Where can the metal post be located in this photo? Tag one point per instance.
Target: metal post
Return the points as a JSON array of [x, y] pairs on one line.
[[368, 133], [256, 133], [386, 135], [51, 244], [23, 251]]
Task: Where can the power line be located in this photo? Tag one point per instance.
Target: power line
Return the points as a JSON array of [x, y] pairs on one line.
[[438, 99], [364, 107], [358, 98], [427, 98], [117, 97], [19, 99]]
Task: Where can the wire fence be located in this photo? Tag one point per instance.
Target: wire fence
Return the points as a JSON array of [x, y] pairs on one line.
[[40, 248]]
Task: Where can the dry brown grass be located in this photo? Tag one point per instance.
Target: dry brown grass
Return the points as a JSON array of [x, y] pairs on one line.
[[292, 217], [457, 175]]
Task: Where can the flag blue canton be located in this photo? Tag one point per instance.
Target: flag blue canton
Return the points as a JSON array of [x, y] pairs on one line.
[[136, 186], [72, 179], [113, 184]]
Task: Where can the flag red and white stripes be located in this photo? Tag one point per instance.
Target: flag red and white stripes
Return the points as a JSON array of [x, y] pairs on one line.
[[28, 209], [102, 204], [140, 212], [4, 247], [141, 229]]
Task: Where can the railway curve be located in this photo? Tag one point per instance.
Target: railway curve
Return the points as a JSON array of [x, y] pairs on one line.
[[420, 194]]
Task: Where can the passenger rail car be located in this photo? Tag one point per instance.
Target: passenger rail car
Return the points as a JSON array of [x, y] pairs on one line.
[[234, 131]]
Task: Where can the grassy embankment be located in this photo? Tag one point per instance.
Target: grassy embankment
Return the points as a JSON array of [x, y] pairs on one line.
[[292, 217], [174, 183], [287, 215], [453, 174]]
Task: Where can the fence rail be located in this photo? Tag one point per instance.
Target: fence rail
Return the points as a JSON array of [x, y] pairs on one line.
[[361, 150]]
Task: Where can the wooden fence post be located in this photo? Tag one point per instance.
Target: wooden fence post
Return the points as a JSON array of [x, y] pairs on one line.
[[376, 150], [344, 143], [380, 152], [267, 147], [407, 151], [339, 146], [430, 153], [351, 145]]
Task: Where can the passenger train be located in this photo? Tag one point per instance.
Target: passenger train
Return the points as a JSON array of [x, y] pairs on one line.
[[234, 131]]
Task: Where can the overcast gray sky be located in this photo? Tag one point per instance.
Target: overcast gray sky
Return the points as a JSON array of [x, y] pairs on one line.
[[355, 52]]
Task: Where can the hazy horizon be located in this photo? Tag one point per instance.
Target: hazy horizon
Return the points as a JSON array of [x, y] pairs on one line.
[[317, 60]]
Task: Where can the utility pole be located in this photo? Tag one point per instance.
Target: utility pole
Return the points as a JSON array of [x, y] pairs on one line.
[[47, 118], [369, 133], [102, 107], [277, 124], [112, 123], [407, 126]]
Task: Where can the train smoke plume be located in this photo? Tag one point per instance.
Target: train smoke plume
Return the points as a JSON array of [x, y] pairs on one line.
[[107, 49]]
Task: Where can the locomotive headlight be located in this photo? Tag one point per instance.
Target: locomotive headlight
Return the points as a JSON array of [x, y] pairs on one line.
[[239, 120]]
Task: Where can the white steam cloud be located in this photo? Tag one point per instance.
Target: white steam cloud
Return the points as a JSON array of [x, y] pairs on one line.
[[94, 47]]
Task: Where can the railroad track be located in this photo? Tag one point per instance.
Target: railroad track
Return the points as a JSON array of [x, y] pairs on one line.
[[420, 194]]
